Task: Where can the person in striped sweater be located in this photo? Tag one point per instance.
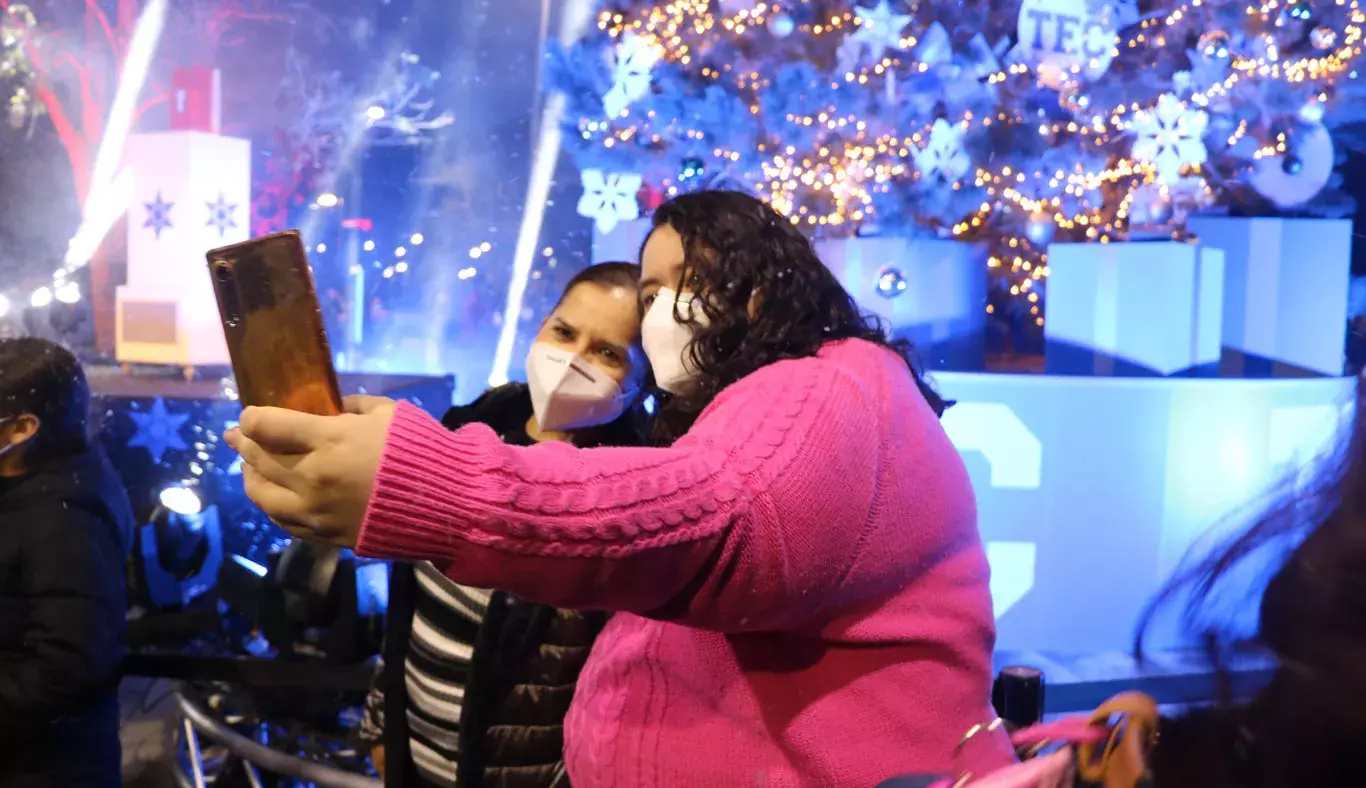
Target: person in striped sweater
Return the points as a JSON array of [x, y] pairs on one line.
[[474, 685]]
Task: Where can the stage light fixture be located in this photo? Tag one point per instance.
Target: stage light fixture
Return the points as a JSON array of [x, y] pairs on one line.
[[4, 306], [68, 293], [182, 500], [310, 601], [40, 298], [180, 554]]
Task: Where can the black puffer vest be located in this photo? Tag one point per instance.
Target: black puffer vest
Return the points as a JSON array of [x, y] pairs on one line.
[[526, 659]]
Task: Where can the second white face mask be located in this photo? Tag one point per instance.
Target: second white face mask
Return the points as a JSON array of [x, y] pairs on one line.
[[568, 392], [666, 340]]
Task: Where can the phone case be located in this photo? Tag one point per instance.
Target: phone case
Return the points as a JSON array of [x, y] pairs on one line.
[[274, 328]]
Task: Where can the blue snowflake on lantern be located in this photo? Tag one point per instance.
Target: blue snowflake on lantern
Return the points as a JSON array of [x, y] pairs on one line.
[[891, 282], [158, 430], [220, 215], [158, 215]]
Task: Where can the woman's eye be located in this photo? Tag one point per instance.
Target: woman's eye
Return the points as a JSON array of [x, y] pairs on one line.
[[610, 354], [563, 333], [647, 300]]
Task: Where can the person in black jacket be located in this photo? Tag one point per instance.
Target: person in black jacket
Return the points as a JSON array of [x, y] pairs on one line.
[[474, 685], [65, 531]]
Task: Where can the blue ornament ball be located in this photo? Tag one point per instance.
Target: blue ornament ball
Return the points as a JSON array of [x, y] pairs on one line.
[[891, 282], [1298, 10], [1039, 229], [1215, 46], [782, 25], [692, 169]]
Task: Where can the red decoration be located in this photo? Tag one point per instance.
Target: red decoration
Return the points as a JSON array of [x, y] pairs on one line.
[[650, 197], [196, 99]]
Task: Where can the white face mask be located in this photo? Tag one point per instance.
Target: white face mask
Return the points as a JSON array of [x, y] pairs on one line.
[[666, 340], [569, 393]]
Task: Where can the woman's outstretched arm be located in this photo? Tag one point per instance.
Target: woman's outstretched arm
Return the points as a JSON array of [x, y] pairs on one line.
[[704, 531]]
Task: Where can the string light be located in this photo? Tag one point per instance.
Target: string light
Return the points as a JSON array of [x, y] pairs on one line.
[[847, 164]]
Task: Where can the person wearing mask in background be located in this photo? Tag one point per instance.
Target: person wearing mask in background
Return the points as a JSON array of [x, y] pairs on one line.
[[65, 532], [801, 591], [478, 684]]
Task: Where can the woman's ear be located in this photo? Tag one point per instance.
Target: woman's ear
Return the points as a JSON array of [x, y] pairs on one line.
[[24, 427]]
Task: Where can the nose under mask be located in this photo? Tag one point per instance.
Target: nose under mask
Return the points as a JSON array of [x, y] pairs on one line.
[[568, 392], [667, 339]]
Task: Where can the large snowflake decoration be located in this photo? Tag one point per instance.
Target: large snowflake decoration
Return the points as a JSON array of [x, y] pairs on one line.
[[158, 430], [610, 198], [1169, 137], [635, 57], [879, 30], [943, 156]]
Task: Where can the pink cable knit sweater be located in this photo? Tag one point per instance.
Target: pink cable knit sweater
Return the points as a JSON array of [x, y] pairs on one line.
[[802, 592]]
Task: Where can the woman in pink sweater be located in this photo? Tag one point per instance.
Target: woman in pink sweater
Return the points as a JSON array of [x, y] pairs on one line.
[[801, 592]]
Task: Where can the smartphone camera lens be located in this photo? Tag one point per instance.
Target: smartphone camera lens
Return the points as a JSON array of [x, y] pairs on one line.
[[228, 304]]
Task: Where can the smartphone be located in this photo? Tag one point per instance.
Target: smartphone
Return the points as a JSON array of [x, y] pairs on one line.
[[276, 340]]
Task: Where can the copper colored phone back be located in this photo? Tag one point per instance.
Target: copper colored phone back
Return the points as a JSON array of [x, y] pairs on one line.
[[273, 325]]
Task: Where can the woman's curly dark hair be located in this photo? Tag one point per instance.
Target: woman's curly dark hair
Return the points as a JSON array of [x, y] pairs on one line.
[[737, 249]]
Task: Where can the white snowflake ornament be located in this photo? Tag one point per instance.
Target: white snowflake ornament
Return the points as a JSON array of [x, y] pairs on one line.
[[943, 157], [610, 198], [878, 31], [635, 56], [1169, 137]]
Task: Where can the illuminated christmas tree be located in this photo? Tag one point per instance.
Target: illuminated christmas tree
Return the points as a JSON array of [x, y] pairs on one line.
[[1013, 123]]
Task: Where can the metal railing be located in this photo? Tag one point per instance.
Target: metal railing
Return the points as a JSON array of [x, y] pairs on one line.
[[197, 724]]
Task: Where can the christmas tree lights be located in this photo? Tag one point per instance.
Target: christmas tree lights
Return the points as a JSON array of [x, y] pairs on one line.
[[1012, 123]]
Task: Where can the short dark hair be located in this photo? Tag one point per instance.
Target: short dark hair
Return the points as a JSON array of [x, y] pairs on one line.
[[613, 274], [43, 378]]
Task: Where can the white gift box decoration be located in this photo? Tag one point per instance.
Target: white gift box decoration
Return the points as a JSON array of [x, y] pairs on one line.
[[1285, 288], [1132, 308]]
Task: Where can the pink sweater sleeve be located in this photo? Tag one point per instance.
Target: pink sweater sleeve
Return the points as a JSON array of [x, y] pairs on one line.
[[732, 527]]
